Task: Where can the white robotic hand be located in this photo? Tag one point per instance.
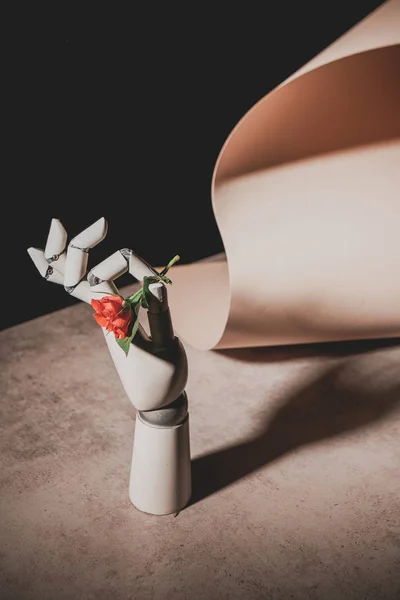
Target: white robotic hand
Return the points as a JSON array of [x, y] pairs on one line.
[[155, 371]]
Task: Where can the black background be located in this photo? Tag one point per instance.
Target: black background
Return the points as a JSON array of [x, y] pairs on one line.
[[123, 114]]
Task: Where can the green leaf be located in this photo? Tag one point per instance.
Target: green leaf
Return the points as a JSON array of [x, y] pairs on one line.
[[125, 344], [137, 308], [170, 264], [141, 298], [135, 326], [165, 279], [146, 289], [146, 292], [134, 297]]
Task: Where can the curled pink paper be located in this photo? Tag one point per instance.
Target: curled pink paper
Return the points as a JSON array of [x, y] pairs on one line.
[[306, 194]]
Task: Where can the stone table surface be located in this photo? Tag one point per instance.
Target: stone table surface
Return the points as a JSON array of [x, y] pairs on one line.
[[295, 464]]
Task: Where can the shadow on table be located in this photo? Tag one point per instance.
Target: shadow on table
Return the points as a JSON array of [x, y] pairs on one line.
[[272, 354], [335, 403]]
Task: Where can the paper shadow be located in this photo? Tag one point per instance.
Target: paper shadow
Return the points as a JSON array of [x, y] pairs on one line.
[[326, 407], [285, 353]]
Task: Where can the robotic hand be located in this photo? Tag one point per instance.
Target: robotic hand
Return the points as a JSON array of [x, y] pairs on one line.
[[154, 373]]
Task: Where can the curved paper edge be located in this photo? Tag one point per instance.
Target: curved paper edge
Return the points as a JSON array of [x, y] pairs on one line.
[[199, 300], [253, 300]]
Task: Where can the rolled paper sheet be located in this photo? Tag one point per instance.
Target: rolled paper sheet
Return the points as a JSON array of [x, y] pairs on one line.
[[55, 250], [306, 195]]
